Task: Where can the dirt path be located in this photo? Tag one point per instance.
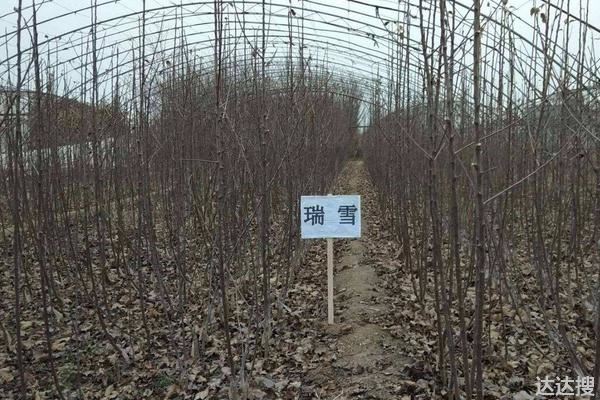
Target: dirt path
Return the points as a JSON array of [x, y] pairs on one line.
[[369, 361]]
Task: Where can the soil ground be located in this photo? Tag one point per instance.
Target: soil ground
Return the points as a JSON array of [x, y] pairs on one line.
[[370, 359]]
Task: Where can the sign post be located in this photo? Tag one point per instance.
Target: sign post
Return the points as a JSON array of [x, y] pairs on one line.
[[330, 280], [329, 217]]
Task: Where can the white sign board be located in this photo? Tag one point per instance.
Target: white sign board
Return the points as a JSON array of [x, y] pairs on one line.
[[330, 217]]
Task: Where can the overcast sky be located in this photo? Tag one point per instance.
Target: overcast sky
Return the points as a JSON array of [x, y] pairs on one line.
[[346, 33]]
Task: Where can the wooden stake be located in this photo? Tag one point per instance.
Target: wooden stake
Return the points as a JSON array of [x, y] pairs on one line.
[[330, 280]]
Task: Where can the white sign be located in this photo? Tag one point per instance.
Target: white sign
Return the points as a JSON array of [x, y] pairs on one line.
[[330, 217]]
